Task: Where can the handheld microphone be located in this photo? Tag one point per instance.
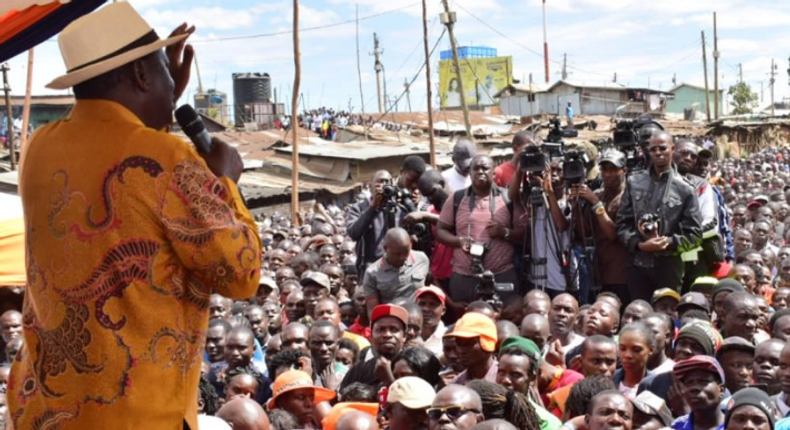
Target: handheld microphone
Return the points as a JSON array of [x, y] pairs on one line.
[[193, 127]]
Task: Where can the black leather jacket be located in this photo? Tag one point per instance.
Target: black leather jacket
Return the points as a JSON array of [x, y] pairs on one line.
[[672, 198]]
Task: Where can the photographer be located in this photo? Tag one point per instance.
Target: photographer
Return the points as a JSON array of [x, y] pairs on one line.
[[431, 184], [478, 228], [545, 233], [658, 220], [369, 220], [600, 208], [503, 175]]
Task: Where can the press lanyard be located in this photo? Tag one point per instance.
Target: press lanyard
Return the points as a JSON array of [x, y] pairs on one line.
[[491, 207]]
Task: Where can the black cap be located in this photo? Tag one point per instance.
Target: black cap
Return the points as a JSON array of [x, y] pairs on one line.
[[750, 396], [734, 343], [693, 300]]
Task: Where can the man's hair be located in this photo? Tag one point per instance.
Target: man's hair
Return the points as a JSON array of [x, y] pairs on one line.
[[583, 392], [414, 163], [237, 321], [596, 339], [280, 419], [612, 295], [735, 298], [522, 136], [599, 395], [208, 395], [642, 303], [500, 403], [775, 317], [310, 258], [358, 392], [429, 178], [220, 322], [533, 362], [741, 258], [324, 324], [422, 361], [669, 325], [479, 305], [287, 359]]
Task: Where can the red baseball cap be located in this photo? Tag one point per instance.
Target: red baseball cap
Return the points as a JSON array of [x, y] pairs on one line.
[[396, 311], [436, 291]]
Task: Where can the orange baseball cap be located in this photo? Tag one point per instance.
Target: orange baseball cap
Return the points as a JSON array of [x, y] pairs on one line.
[[331, 419], [474, 324], [297, 380]]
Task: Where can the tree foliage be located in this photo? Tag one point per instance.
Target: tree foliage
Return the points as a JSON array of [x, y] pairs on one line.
[[743, 99]]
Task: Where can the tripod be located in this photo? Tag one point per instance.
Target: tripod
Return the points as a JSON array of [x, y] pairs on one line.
[[542, 229]]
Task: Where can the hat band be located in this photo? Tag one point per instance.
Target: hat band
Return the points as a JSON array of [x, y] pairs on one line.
[[146, 39]]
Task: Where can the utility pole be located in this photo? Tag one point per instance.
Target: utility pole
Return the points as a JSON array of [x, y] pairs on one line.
[[28, 92], [771, 82], [740, 72], [761, 91], [614, 79], [545, 44], [359, 69], [379, 70], [715, 69], [295, 118], [431, 139], [448, 19], [408, 97], [705, 71], [564, 66], [9, 114]]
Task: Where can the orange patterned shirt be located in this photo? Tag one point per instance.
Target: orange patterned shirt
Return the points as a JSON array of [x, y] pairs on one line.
[[128, 233]]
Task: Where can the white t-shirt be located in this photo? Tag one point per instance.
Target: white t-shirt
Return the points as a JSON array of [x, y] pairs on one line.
[[455, 181]]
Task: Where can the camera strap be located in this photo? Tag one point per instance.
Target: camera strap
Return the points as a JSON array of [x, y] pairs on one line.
[[491, 206]]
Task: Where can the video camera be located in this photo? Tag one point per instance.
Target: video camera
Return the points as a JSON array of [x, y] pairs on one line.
[[574, 167], [630, 135], [487, 290], [478, 252], [532, 161], [422, 232]]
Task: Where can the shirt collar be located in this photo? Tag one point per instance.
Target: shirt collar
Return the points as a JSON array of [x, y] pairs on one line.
[[385, 265], [104, 111], [781, 403]]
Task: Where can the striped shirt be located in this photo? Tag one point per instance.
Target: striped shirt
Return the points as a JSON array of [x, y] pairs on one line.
[[499, 258]]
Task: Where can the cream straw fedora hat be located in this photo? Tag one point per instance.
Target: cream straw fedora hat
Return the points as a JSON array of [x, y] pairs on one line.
[[105, 40]]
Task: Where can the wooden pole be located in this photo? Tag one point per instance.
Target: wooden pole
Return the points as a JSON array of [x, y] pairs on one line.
[[705, 70], [715, 69], [10, 113], [428, 81], [295, 120], [26, 109], [449, 21], [359, 70]]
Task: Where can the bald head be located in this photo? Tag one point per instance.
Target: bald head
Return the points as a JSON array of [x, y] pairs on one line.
[[494, 425], [397, 246], [244, 414], [357, 420], [536, 327], [458, 395]]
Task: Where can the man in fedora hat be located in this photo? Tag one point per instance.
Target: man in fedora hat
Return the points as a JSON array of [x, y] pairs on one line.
[[130, 232]]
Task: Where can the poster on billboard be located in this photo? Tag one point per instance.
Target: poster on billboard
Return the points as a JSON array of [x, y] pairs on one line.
[[482, 79]]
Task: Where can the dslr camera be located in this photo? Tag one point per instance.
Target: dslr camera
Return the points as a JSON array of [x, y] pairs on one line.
[[649, 223], [478, 252]]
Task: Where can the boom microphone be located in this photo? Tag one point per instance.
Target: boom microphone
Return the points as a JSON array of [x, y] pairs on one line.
[[193, 127]]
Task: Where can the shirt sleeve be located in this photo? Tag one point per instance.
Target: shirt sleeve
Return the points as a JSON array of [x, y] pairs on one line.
[[211, 230], [446, 216], [369, 281]]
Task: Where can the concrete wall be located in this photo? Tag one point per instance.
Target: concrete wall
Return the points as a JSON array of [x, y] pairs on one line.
[[686, 96]]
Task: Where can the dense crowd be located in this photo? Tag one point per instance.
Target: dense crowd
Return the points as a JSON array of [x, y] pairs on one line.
[[642, 284], [364, 320]]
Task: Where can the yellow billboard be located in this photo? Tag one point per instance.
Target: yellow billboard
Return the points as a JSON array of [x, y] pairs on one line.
[[482, 79]]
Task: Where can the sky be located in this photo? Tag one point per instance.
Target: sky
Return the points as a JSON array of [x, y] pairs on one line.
[[644, 43]]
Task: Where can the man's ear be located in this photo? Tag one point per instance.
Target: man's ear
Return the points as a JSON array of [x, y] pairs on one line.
[[141, 75]]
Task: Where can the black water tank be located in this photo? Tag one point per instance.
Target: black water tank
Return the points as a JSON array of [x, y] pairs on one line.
[[250, 88]]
